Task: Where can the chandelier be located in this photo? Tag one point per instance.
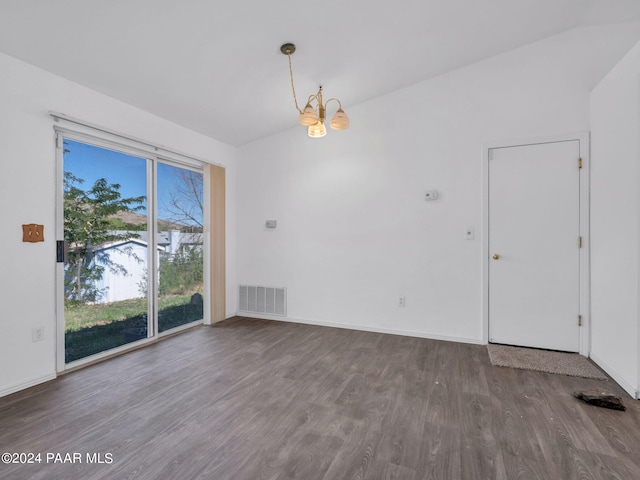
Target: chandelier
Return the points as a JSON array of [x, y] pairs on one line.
[[314, 112]]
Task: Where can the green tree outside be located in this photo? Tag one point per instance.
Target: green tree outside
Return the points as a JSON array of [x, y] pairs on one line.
[[87, 226]]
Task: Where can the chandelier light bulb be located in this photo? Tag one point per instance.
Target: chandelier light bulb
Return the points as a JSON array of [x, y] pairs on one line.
[[317, 130]]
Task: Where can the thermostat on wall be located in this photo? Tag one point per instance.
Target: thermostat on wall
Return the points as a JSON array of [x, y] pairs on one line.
[[271, 224], [431, 195]]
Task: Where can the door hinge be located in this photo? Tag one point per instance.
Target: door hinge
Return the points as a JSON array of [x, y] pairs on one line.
[[579, 162], [580, 241], [579, 320]]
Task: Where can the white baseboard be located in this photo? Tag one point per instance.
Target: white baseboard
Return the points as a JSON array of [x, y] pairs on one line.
[[630, 389], [405, 333], [25, 385]]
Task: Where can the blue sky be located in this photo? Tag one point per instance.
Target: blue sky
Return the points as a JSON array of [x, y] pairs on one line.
[[91, 163]]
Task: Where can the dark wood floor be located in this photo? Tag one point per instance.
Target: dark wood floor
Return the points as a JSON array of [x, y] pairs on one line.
[[253, 399]]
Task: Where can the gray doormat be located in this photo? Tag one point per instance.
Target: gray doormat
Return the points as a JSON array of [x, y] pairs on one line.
[[548, 361]]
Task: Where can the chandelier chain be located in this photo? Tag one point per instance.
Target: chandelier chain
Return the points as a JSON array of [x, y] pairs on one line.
[[293, 88]]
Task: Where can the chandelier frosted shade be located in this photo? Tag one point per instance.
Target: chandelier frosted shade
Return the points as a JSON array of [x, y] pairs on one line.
[[317, 130], [340, 121], [308, 116]]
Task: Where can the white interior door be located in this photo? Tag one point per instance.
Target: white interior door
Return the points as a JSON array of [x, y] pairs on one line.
[[534, 256]]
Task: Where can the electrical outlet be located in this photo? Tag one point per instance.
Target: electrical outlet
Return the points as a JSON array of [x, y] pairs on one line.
[[37, 334], [401, 301]]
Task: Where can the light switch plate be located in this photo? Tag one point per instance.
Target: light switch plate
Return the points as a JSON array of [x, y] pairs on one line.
[[431, 195]]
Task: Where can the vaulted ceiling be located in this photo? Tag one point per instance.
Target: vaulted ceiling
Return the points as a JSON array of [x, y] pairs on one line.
[[216, 67]]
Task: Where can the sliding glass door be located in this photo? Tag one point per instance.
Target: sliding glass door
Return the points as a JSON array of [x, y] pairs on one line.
[[133, 266]]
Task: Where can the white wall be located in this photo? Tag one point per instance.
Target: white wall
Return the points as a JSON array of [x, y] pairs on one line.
[[615, 220], [354, 232], [27, 195]]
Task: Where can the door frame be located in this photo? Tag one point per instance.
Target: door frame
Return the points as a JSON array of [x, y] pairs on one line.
[[585, 275], [104, 138]]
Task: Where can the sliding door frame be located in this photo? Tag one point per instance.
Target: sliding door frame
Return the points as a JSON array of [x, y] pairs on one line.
[[104, 139]]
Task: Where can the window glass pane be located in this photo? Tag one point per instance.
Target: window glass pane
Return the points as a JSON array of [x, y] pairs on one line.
[[105, 227], [180, 252]]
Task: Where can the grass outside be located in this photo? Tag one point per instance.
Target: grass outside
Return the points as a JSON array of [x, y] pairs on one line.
[[90, 329]]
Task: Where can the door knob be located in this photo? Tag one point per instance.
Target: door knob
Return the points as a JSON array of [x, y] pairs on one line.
[[495, 256]]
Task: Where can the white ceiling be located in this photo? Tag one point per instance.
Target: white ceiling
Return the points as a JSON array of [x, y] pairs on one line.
[[216, 67]]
